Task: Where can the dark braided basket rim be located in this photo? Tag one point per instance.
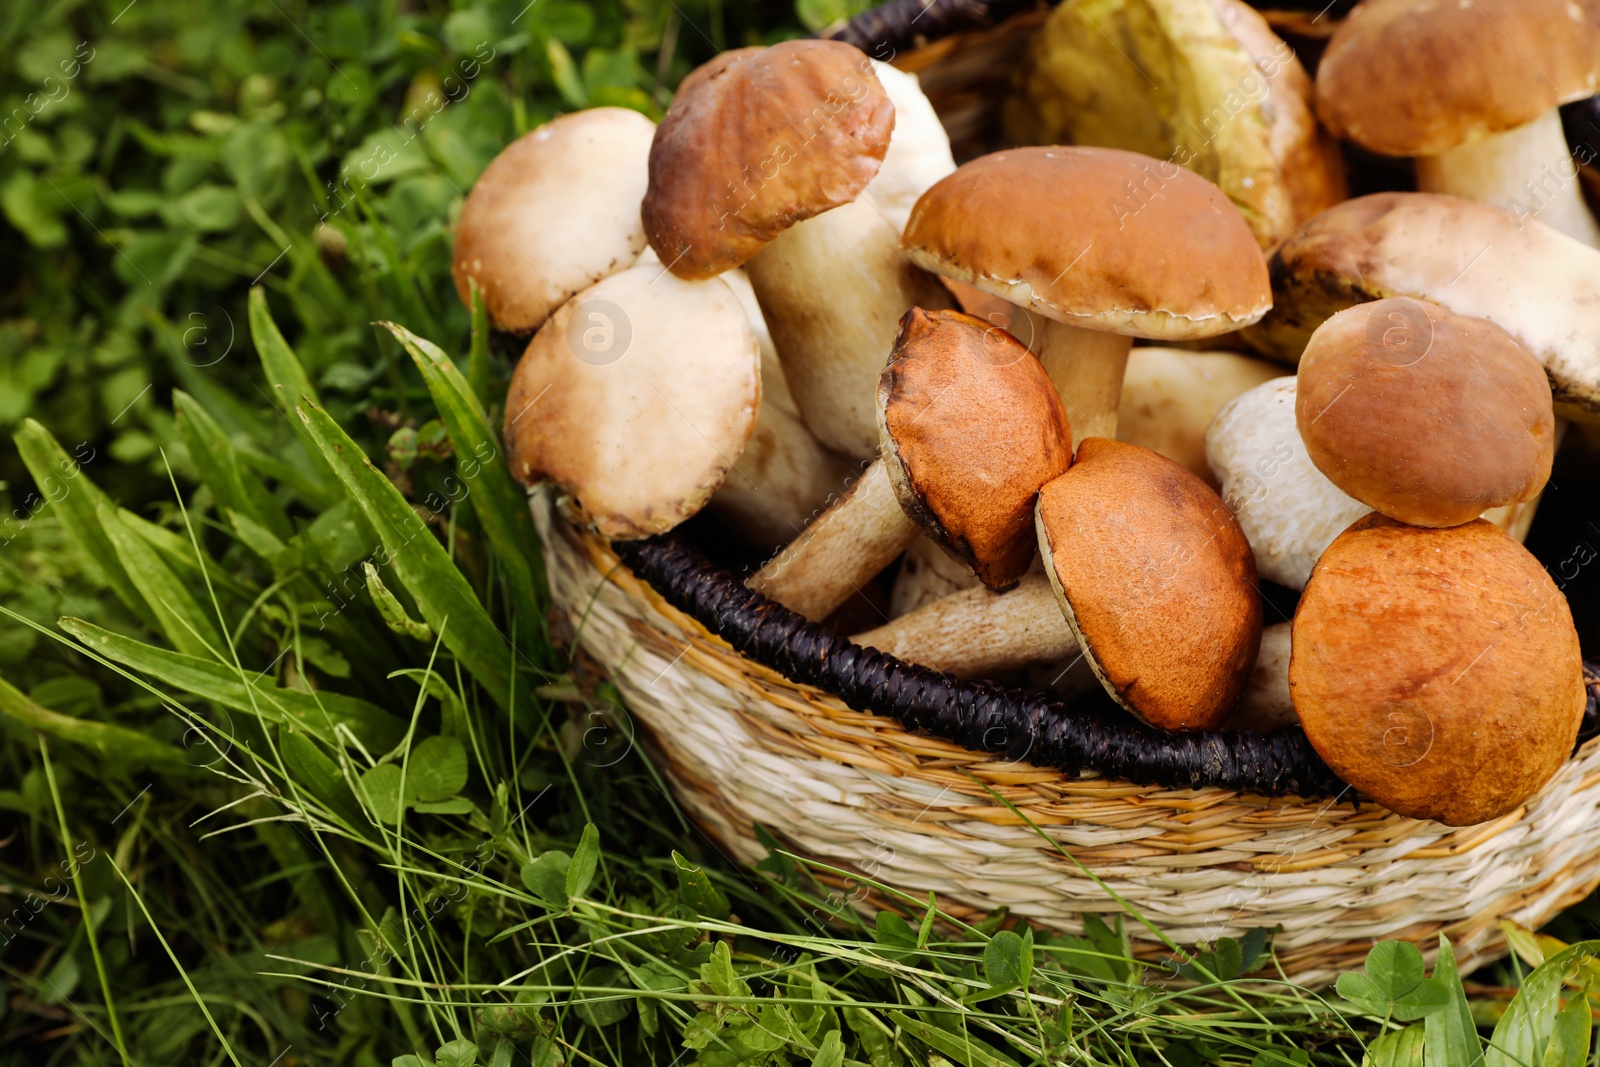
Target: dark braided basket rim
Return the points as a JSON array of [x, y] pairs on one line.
[[982, 716]]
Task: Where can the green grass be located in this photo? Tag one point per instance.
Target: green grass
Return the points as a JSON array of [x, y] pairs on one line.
[[292, 770]]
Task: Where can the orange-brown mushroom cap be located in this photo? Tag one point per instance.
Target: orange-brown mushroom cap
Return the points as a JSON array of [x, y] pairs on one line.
[[1156, 580], [1429, 417], [553, 213], [1097, 238], [757, 140], [1437, 671], [1420, 77], [971, 427]]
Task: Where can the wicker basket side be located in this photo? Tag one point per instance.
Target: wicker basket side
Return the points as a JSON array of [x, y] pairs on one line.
[[742, 745]]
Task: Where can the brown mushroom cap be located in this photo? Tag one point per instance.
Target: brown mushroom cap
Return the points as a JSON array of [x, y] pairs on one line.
[[636, 397], [757, 140], [971, 427], [1157, 581], [553, 213], [1420, 77], [1097, 238], [1429, 417], [1437, 671]]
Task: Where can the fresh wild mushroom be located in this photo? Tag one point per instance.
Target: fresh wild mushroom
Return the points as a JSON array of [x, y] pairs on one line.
[[763, 160], [978, 632], [919, 149], [970, 429], [1203, 83], [1288, 508], [1426, 416], [1156, 580], [1472, 90], [636, 398], [556, 211], [1266, 705], [1536, 284], [1105, 246], [1437, 670], [1170, 396]]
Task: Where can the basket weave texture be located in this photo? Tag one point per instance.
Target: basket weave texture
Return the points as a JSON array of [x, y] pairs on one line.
[[740, 745]]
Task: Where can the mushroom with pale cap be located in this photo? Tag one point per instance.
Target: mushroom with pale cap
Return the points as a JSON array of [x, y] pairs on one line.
[[763, 160], [1472, 90], [1156, 580], [1437, 670], [556, 211], [1426, 416], [1536, 284], [636, 398], [971, 428], [1106, 246], [1204, 83]]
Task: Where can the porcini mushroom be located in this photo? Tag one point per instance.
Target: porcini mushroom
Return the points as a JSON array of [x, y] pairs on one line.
[[1106, 246], [1533, 282], [1266, 704], [762, 160], [636, 398], [1436, 670], [556, 211], [1156, 580], [1424, 415], [1288, 509], [1170, 396], [1203, 83], [919, 149], [1472, 90], [971, 427]]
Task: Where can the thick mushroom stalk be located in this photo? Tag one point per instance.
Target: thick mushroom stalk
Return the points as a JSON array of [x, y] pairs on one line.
[[784, 477], [970, 428], [1099, 246], [1533, 282], [1529, 171], [976, 633], [1472, 91]]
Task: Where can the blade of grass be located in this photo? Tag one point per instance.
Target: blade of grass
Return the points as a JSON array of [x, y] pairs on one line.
[[316, 713], [440, 590], [288, 382], [478, 357], [173, 956], [79, 503], [178, 615], [83, 903], [501, 507], [119, 744], [214, 457]]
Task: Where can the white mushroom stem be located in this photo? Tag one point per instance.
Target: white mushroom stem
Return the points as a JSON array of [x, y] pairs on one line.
[[1265, 705], [832, 289], [979, 632], [928, 573], [784, 477], [1087, 367], [841, 550], [1529, 171]]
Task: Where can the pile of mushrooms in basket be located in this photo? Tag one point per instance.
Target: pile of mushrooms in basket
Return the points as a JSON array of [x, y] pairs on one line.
[[905, 397]]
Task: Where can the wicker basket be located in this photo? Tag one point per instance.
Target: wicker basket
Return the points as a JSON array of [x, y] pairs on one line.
[[742, 745]]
